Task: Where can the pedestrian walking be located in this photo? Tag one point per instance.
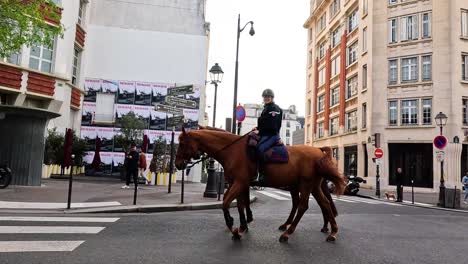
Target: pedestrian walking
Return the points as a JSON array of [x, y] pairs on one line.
[[399, 183], [132, 166], [465, 187], [142, 165]]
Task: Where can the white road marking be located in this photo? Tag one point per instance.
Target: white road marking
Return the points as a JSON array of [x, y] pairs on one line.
[[38, 246], [59, 219], [345, 200], [50, 229], [33, 205], [277, 197]]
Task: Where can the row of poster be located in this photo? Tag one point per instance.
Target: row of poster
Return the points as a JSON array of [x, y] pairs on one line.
[[107, 134], [134, 93], [152, 119], [111, 158]]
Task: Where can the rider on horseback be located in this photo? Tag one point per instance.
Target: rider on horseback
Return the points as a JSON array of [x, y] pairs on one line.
[[268, 128]]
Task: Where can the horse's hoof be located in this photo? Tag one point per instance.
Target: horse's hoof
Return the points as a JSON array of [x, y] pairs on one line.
[[243, 229], [283, 239], [236, 235], [249, 219], [283, 227], [324, 230], [331, 238]]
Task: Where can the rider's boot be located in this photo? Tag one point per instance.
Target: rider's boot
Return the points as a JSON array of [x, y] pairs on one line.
[[260, 180]]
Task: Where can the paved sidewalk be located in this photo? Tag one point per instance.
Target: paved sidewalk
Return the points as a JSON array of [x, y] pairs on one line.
[[106, 193], [420, 199]]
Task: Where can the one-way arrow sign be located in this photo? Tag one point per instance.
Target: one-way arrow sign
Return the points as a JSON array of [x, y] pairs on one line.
[[180, 102], [168, 109], [180, 90]]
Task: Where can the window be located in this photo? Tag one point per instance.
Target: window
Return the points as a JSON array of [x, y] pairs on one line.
[[14, 58], [321, 76], [352, 53], [335, 66], [464, 23], [322, 50], [288, 133], [334, 8], [352, 21], [365, 6], [321, 23], [336, 35], [334, 126], [392, 71], [309, 107], [465, 67], [364, 40], [465, 112], [81, 14], [392, 30], [409, 112], [321, 103], [392, 2], [393, 113], [309, 132], [76, 66], [335, 153], [426, 68], [310, 34], [427, 111], [364, 77], [41, 58], [288, 124], [409, 69], [364, 115], [409, 27], [426, 25], [335, 96], [351, 87], [351, 121], [320, 130], [310, 57]]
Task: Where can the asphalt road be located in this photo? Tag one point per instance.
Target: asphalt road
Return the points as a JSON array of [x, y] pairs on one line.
[[370, 232]]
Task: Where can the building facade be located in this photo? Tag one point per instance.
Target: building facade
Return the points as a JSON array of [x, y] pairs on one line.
[[389, 67], [289, 123], [41, 87]]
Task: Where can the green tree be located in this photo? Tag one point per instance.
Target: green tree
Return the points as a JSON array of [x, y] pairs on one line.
[[158, 155], [22, 22], [131, 131], [54, 152]]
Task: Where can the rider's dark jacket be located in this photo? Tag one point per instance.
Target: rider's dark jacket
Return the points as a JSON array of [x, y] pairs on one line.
[[269, 122]]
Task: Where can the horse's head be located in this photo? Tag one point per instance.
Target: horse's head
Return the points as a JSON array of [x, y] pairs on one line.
[[188, 149]]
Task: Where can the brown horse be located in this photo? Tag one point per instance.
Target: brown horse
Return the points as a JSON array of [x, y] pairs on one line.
[[304, 173]]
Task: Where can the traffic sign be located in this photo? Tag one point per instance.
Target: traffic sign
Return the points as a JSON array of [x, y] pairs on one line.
[[180, 102], [440, 154], [180, 90], [168, 109], [240, 113], [440, 142], [378, 162], [175, 121], [378, 153]]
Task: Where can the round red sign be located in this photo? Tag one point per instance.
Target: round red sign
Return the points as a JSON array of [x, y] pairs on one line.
[[378, 153]]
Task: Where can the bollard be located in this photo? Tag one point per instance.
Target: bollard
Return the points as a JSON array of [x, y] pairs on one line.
[[171, 166], [70, 182], [377, 178], [412, 191], [135, 181]]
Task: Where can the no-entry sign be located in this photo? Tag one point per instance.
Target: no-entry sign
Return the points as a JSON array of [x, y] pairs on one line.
[[440, 142], [378, 153]]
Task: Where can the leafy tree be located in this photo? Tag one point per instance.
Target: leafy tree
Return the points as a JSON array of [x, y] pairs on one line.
[[22, 22], [158, 155], [131, 131], [54, 152]]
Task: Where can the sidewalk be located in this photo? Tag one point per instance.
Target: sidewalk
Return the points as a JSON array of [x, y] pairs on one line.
[[420, 199], [105, 195]]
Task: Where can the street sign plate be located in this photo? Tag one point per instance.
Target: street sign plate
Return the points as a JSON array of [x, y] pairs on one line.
[[240, 113], [378, 162], [175, 121], [180, 90], [378, 153], [440, 142], [440, 154], [180, 102], [168, 109]]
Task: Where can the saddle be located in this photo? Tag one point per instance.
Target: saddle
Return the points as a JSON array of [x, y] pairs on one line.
[[277, 153]]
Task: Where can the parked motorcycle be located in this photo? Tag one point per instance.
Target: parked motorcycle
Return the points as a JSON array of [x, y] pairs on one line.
[[5, 176], [352, 187]]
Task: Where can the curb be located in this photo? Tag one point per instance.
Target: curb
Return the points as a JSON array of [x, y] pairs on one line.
[[154, 208], [420, 206]]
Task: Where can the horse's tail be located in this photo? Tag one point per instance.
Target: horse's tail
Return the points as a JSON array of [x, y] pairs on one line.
[[327, 194], [328, 168]]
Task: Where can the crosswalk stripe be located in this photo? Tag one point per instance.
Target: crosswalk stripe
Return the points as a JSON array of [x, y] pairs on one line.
[[288, 195], [272, 195], [38, 246], [50, 229], [60, 219], [345, 200], [35, 205]]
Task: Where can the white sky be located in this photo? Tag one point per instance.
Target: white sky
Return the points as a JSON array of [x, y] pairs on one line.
[[275, 57]]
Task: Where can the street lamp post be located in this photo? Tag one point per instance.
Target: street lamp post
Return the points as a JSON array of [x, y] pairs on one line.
[[234, 105], [441, 121], [216, 75]]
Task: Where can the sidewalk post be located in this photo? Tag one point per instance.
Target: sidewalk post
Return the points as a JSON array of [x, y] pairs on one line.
[[182, 191], [135, 179], [70, 182], [412, 191], [377, 188], [171, 166]]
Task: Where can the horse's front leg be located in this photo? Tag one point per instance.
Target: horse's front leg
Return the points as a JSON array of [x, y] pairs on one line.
[[234, 192], [295, 201], [227, 216], [247, 206], [241, 205]]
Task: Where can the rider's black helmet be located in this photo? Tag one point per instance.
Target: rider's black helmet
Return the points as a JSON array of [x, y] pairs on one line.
[[268, 92]]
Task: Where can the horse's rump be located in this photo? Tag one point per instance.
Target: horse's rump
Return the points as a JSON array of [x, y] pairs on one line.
[[329, 170]]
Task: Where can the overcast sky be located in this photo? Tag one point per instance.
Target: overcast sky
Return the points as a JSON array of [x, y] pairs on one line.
[[275, 57]]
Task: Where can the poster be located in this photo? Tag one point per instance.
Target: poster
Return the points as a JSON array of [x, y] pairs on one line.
[[142, 113], [195, 96], [191, 118], [154, 135], [106, 134], [159, 93], [92, 86], [117, 146], [121, 110], [109, 86], [157, 120], [118, 159], [89, 135], [106, 162], [88, 157], [87, 114], [143, 93], [126, 92]]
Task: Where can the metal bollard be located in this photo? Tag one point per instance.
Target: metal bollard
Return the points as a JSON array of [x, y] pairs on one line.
[[70, 182]]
